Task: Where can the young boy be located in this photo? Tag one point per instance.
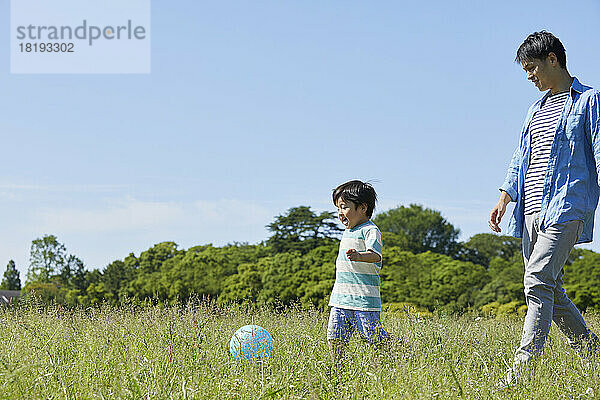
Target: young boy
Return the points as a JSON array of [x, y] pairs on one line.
[[355, 301]]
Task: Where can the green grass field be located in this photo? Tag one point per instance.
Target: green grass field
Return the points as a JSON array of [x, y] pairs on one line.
[[181, 353]]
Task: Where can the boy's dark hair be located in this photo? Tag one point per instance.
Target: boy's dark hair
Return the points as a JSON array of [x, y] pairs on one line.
[[358, 193], [538, 45]]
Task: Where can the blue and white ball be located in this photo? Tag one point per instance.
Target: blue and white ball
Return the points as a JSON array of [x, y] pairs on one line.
[[251, 342]]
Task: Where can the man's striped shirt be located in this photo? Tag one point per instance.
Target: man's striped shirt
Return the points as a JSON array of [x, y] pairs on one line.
[[541, 129], [357, 283]]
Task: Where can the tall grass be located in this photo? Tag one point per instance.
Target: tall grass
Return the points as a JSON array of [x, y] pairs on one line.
[[180, 352]]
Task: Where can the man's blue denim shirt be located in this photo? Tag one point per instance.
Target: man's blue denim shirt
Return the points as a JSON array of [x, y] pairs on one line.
[[571, 185]]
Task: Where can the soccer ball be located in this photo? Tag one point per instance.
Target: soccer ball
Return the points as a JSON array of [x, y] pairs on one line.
[[251, 342]]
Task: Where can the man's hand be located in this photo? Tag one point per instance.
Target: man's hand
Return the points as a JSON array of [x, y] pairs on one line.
[[498, 212]]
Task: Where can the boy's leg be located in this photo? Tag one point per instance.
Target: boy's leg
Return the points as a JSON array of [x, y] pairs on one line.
[[368, 325], [545, 254], [337, 348], [339, 330]]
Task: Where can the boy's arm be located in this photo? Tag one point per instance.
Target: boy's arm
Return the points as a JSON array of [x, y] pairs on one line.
[[368, 256]]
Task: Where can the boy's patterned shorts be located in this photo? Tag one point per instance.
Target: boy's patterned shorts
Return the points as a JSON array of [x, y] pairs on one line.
[[343, 322]]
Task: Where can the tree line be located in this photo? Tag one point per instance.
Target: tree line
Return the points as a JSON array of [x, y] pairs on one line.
[[424, 265]]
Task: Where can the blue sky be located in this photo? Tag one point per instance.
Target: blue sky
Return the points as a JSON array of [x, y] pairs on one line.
[[255, 107]]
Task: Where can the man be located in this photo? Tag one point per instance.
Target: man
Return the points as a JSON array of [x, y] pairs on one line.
[[553, 178]]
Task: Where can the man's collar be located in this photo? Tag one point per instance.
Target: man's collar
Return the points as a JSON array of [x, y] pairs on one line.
[[577, 86]]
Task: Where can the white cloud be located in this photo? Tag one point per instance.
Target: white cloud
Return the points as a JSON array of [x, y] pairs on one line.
[[16, 187], [26, 192], [130, 214], [112, 228], [231, 212], [122, 215]]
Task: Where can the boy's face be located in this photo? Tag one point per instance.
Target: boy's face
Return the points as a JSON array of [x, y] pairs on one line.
[[351, 214]]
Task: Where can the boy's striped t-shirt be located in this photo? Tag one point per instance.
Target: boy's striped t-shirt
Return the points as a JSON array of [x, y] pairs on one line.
[[357, 283]]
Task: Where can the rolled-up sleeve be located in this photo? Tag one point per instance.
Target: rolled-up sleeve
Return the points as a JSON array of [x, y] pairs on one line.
[[594, 128], [511, 181]]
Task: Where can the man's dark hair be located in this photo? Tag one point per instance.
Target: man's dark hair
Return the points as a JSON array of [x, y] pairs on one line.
[[538, 45], [358, 193]]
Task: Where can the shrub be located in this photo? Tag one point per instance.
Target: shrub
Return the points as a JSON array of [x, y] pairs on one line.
[[404, 309], [508, 310], [490, 309]]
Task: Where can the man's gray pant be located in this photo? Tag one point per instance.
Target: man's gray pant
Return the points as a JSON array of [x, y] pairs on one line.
[[545, 254]]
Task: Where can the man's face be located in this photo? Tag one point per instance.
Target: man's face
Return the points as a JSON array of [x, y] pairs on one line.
[[539, 72]]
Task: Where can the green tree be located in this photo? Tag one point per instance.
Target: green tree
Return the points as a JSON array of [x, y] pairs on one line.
[[430, 280], [168, 274], [489, 245], [582, 279], [285, 278], [506, 281], [301, 229], [47, 257], [151, 260], [116, 277], [77, 278], [55, 275], [47, 292], [12, 279], [94, 292], [417, 229], [72, 279], [205, 270], [307, 278], [246, 284], [201, 271], [149, 273]]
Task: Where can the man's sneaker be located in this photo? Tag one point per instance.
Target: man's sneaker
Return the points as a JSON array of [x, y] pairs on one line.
[[510, 379]]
